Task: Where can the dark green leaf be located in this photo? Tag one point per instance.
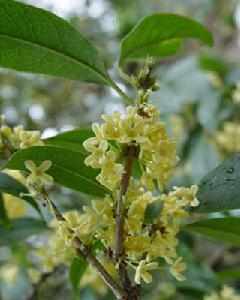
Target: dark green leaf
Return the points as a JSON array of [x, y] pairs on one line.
[[68, 168], [13, 187], [77, 268], [222, 229], [35, 40], [71, 139], [20, 230], [219, 190], [152, 211], [159, 35]]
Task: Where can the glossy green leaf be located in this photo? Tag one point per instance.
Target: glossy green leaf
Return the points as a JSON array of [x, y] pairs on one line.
[[72, 139], [160, 34], [35, 40], [20, 230], [13, 187], [219, 190], [222, 229], [76, 271], [68, 168]]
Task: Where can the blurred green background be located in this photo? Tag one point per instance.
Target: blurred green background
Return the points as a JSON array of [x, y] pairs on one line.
[[199, 93]]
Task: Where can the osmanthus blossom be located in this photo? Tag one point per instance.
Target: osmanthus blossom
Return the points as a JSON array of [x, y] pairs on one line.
[[18, 138], [144, 242], [38, 174]]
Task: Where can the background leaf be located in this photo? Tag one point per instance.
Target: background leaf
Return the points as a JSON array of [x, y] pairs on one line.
[[159, 35], [219, 190], [20, 230], [222, 229], [68, 168], [76, 271], [35, 40]]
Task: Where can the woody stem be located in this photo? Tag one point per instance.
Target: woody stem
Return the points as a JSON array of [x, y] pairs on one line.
[[119, 233]]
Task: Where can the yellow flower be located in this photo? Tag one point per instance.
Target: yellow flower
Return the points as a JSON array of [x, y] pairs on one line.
[[142, 271], [187, 195], [30, 139], [177, 267], [38, 175]]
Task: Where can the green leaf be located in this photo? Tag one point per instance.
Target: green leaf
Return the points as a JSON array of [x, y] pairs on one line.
[[3, 214], [20, 230], [228, 274], [222, 229], [13, 187], [152, 211], [159, 35], [219, 190], [77, 268], [35, 40], [72, 139], [68, 168]]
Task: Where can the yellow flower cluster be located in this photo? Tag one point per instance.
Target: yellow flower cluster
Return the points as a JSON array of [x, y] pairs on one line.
[[17, 138], [157, 239], [143, 242], [227, 293], [157, 153], [229, 138]]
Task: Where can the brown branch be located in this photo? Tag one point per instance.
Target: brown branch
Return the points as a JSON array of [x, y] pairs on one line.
[[119, 233], [86, 253]]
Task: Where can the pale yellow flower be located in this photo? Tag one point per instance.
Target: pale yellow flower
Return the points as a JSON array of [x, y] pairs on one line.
[[188, 195], [178, 267], [38, 175], [142, 271], [30, 139]]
